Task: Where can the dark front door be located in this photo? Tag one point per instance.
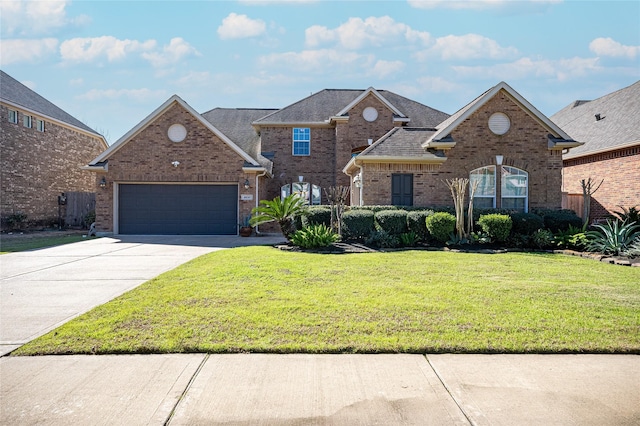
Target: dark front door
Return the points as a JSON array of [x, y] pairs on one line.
[[402, 189], [178, 209]]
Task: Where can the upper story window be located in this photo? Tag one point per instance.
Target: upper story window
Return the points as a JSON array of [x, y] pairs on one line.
[[514, 188], [301, 141], [27, 120], [13, 116], [40, 125]]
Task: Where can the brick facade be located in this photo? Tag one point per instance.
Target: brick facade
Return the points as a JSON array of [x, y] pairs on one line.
[[620, 170], [36, 167], [147, 158], [524, 146]]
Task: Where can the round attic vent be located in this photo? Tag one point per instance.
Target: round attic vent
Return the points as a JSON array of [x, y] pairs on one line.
[[499, 123], [370, 114], [177, 133]]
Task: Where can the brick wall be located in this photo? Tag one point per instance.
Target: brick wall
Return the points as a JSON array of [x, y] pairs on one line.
[[147, 157], [524, 146], [36, 167], [620, 170]]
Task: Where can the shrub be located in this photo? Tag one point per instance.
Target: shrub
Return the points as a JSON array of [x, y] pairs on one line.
[[392, 221], [357, 224], [316, 215], [572, 238], [16, 221], [441, 225], [614, 237], [633, 250], [409, 239], [374, 209], [279, 210], [497, 226], [382, 239], [526, 223], [314, 236], [629, 215], [417, 223], [559, 220], [542, 238]]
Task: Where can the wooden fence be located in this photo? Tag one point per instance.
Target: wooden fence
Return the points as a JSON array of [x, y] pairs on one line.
[[77, 207], [574, 202]]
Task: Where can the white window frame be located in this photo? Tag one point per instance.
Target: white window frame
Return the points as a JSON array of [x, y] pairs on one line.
[[311, 194], [13, 116], [39, 125], [27, 121], [478, 172], [301, 135], [514, 171]]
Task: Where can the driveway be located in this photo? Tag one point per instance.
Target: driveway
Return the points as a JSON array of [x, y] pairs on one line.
[[42, 289]]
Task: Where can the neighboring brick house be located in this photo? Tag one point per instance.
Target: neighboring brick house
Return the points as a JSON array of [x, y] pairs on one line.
[[42, 152], [179, 171], [610, 129]]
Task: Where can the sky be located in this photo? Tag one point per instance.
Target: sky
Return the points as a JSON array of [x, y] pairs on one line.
[[112, 63]]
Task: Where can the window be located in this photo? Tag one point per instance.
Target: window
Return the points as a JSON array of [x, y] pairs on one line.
[[311, 194], [402, 189], [514, 189], [485, 195], [40, 125], [27, 121], [13, 116], [514, 184], [301, 141]]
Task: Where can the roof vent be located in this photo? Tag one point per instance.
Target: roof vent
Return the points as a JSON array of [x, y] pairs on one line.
[[599, 117]]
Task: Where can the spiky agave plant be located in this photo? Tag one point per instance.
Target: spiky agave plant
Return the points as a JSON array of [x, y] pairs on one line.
[[614, 237]]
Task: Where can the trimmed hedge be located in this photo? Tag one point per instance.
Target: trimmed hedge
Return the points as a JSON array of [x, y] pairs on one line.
[[394, 222], [497, 226], [417, 222], [357, 224], [526, 223], [317, 215], [441, 225], [559, 220]]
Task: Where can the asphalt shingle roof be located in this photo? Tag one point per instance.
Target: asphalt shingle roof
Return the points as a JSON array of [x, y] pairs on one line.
[[11, 90], [619, 124], [402, 142]]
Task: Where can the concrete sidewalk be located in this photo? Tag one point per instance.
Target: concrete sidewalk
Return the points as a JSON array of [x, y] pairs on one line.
[[259, 389], [42, 289]]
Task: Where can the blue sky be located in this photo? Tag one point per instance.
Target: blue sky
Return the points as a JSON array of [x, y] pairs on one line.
[[111, 63]]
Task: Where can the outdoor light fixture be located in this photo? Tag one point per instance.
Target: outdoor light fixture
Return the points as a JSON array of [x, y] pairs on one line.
[[300, 178], [246, 184], [499, 159], [103, 182], [175, 163]]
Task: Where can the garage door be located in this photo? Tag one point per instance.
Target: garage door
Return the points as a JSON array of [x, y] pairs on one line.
[[178, 209]]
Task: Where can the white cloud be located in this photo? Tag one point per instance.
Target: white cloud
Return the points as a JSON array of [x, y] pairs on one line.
[[609, 47], [22, 50], [90, 49], [469, 46], [475, 4], [383, 68], [561, 70], [24, 17], [357, 33], [437, 85], [195, 78], [316, 60], [240, 26], [175, 51], [137, 95]]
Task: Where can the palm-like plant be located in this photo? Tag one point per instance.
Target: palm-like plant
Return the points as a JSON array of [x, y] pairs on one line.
[[614, 237], [279, 210]]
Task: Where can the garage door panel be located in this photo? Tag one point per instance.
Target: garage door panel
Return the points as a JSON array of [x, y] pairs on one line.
[[178, 209]]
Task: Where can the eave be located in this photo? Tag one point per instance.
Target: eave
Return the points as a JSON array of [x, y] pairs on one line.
[[556, 144]]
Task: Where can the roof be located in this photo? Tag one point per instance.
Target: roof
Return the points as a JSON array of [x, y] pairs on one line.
[[618, 126], [444, 129], [16, 93], [175, 99], [320, 107]]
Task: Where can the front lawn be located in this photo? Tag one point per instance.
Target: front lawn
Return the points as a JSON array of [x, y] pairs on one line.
[[260, 299], [11, 243]]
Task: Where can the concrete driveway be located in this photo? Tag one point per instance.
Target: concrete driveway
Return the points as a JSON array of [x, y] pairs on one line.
[[42, 289]]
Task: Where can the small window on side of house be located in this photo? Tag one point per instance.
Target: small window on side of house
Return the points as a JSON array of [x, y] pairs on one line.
[[301, 141], [13, 116], [27, 120], [40, 125]]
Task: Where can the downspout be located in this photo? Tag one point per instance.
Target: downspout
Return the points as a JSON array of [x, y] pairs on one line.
[[257, 193]]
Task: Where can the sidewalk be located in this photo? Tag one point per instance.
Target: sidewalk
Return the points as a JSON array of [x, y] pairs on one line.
[[260, 389]]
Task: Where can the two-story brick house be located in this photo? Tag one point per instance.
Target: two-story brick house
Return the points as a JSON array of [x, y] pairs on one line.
[[179, 171], [42, 152]]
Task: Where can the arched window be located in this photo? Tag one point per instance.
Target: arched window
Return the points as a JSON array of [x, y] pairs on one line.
[[514, 188], [311, 194], [485, 195]]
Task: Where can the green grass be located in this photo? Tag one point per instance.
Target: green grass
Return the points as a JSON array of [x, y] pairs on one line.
[[260, 299], [28, 242]]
